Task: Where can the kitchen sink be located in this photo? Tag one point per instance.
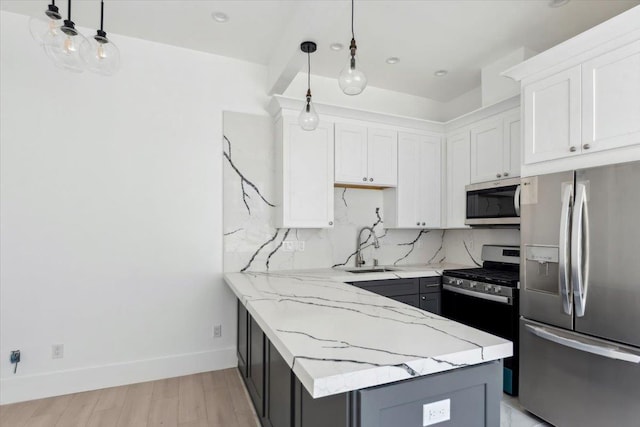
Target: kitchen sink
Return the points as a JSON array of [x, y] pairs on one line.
[[371, 270]]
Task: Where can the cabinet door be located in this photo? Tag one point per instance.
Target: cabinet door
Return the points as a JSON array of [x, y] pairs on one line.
[[512, 143], [430, 183], [382, 155], [487, 150], [255, 379], [351, 154], [458, 177], [430, 302], [552, 117], [243, 344], [280, 386], [408, 192], [611, 99], [307, 177]]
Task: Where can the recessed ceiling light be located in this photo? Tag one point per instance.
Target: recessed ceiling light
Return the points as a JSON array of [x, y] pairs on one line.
[[220, 16], [336, 46], [557, 3], [441, 73], [392, 60]]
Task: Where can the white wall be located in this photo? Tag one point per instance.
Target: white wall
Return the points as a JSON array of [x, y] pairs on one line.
[[463, 104], [111, 214]]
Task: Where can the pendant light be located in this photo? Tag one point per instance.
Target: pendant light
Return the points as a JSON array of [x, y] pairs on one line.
[[41, 25], [352, 80], [63, 46], [99, 53], [308, 118]]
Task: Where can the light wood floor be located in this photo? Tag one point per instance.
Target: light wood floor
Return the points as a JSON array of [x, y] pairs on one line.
[[211, 399]]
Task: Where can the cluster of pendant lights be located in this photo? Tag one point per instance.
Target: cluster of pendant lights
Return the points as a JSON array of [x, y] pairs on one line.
[[352, 80], [68, 48]]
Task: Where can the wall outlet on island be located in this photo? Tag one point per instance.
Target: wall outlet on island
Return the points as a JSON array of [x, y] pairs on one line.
[[436, 412], [217, 331]]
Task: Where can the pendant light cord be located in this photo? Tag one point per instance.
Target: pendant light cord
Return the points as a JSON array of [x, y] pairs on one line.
[[352, 33], [309, 71], [102, 15], [69, 11]]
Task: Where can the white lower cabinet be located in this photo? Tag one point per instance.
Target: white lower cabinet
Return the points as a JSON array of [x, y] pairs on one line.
[[458, 177], [416, 202], [304, 174]]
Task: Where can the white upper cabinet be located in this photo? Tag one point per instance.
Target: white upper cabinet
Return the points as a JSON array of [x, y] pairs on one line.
[[304, 175], [458, 177], [487, 150], [611, 99], [495, 147], [365, 156], [382, 164], [416, 202], [351, 153], [513, 143], [552, 117]]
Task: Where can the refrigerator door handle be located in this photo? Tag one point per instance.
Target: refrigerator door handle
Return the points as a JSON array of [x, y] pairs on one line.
[[564, 253], [609, 352], [516, 201], [580, 250]]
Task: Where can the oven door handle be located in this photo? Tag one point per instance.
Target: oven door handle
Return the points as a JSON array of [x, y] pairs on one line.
[[496, 298]]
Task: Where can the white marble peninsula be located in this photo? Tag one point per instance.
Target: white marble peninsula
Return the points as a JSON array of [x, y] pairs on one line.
[[345, 349]]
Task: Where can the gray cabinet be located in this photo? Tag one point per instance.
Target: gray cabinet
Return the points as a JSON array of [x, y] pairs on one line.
[[322, 412], [242, 340], [256, 366], [423, 293], [279, 396]]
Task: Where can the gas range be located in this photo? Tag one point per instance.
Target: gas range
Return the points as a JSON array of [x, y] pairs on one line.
[[487, 299], [498, 277]]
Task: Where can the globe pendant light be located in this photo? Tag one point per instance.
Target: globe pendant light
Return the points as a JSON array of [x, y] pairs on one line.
[[308, 118], [51, 22], [99, 53], [352, 80], [63, 46]]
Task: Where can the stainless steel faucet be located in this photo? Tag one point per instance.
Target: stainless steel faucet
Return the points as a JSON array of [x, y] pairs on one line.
[[376, 244]]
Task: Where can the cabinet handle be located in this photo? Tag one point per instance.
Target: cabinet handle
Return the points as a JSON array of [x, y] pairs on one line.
[[423, 223], [370, 179], [364, 179], [417, 223], [498, 175], [572, 149], [424, 298], [586, 146], [330, 222], [506, 174]]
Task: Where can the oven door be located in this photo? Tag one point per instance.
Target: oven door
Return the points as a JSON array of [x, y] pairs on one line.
[[493, 317]]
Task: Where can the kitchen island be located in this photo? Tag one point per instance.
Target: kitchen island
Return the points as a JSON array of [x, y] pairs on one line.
[[315, 351]]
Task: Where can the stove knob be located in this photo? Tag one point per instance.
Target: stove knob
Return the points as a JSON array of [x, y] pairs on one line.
[[459, 282], [488, 288], [496, 289], [472, 284]]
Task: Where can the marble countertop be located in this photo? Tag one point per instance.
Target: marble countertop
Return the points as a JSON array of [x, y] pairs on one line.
[[339, 338]]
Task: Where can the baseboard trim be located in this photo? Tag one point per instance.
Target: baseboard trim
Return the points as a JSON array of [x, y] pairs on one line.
[[58, 383]]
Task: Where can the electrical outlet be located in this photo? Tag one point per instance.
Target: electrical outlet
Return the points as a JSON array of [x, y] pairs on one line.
[[436, 412], [57, 351], [293, 246], [217, 331]]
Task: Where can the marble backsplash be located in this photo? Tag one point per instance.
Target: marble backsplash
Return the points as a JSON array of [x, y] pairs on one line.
[[252, 243]]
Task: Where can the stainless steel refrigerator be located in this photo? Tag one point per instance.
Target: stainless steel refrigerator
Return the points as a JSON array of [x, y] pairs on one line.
[[580, 296]]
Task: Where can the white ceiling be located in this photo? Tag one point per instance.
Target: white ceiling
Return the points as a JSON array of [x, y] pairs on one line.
[[460, 36]]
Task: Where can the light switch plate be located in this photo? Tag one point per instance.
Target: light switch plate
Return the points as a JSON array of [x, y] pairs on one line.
[[436, 412]]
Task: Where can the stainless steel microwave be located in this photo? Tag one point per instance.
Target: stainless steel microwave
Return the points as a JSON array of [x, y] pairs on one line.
[[494, 203]]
